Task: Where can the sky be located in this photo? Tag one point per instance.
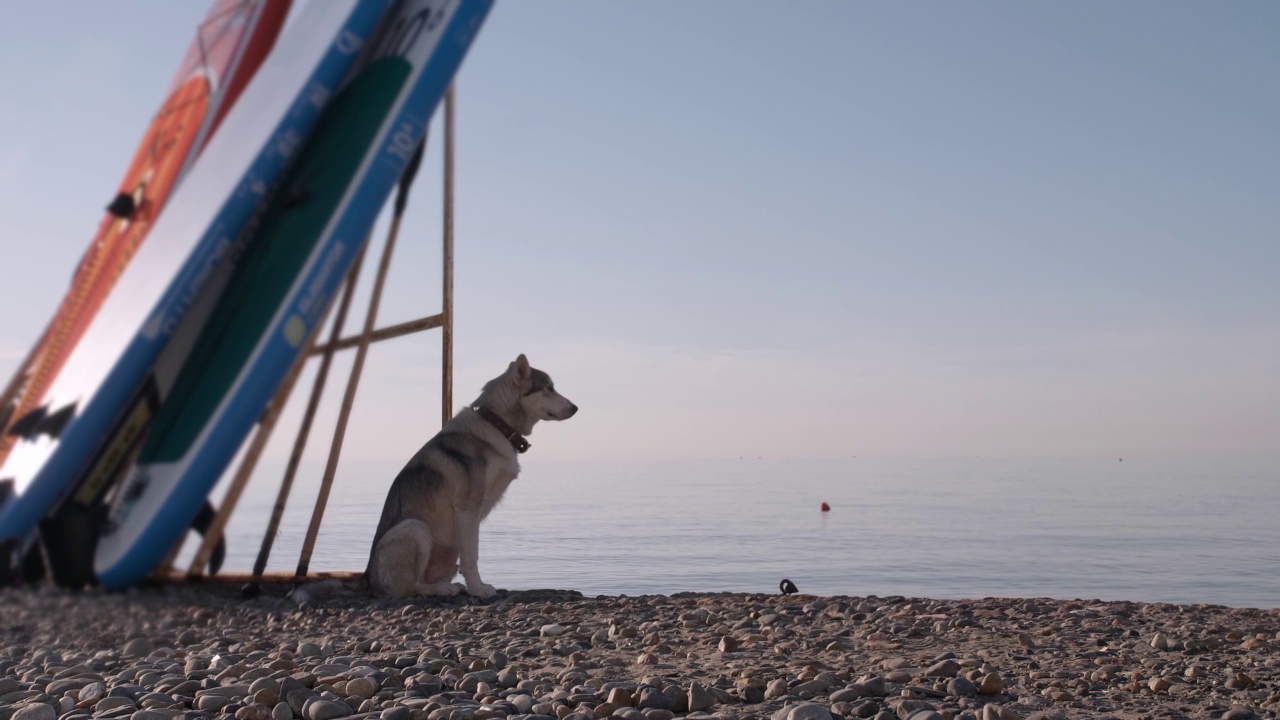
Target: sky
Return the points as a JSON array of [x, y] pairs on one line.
[[816, 229]]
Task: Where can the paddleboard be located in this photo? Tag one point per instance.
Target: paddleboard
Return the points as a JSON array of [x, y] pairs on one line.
[[229, 46], [282, 286], [202, 225]]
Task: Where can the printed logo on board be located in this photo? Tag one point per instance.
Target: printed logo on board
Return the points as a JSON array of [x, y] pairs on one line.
[[295, 331]]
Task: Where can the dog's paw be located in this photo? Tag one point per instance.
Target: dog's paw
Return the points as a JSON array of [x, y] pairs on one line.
[[484, 591]]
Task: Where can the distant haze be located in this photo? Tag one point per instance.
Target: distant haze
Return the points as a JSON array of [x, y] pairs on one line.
[[817, 229]]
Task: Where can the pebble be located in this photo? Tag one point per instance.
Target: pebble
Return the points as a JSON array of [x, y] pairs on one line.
[[36, 711], [803, 711], [945, 669], [699, 698], [200, 654], [112, 703], [211, 703], [848, 694], [92, 692], [961, 687], [363, 687], [254, 711], [327, 710], [138, 647]]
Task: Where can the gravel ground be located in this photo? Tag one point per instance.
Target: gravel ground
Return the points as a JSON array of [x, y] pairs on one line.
[[204, 653]]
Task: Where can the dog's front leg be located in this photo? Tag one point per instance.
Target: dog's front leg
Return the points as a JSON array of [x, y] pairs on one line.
[[469, 555]]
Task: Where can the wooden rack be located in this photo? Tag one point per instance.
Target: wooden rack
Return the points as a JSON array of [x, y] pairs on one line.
[[166, 573]]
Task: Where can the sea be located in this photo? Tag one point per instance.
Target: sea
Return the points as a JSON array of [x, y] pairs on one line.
[[1183, 531]]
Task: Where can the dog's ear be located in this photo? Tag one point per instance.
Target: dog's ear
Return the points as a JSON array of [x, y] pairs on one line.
[[521, 366]]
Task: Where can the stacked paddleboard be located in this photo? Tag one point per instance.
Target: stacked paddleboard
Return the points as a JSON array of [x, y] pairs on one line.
[[229, 46], [189, 248], [210, 386]]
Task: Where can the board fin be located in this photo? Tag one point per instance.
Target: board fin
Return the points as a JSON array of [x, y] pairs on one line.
[[28, 425], [53, 425], [202, 523], [123, 206]]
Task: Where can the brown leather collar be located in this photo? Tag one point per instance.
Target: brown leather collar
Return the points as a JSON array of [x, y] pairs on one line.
[[515, 438]]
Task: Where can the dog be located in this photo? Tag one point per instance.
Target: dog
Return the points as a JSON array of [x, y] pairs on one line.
[[430, 525]]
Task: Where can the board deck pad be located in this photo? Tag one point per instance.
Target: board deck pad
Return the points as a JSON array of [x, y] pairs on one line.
[[229, 46], [282, 286], [202, 226]]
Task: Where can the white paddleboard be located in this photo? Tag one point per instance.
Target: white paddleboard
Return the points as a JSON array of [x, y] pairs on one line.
[[200, 227], [282, 285]]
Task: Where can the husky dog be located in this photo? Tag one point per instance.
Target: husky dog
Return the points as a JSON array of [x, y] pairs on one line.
[[430, 525]]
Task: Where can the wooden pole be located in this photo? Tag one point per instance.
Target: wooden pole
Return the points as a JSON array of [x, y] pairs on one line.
[[386, 333], [313, 403], [348, 399], [259, 443], [446, 364], [357, 367]]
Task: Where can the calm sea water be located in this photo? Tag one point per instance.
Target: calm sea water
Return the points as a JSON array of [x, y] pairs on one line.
[[1181, 531]]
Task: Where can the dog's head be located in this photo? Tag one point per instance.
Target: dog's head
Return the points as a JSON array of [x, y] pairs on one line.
[[538, 396]]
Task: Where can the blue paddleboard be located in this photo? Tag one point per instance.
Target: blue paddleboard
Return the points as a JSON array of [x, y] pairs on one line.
[[282, 286], [202, 225]]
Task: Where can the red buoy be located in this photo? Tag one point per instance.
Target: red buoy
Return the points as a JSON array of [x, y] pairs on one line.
[[825, 507]]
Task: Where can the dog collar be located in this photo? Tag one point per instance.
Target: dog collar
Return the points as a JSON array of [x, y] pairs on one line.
[[515, 438]]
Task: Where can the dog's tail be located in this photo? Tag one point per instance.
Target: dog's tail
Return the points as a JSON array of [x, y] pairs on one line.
[[309, 593]]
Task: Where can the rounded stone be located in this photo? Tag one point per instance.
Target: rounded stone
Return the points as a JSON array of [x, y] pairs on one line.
[[212, 703], [254, 711], [944, 668], [111, 703], [308, 649], [751, 695], [35, 711], [648, 697], [803, 711], [700, 698], [327, 710], [961, 687], [92, 692], [138, 647], [362, 687], [848, 694]]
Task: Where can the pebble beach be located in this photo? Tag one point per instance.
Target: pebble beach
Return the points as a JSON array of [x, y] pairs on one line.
[[206, 653]]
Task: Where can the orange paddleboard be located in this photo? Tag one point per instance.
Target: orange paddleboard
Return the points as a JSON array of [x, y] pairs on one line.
[[230, 44]]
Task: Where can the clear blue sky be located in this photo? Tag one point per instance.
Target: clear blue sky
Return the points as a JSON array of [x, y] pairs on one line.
[[806, 229]]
